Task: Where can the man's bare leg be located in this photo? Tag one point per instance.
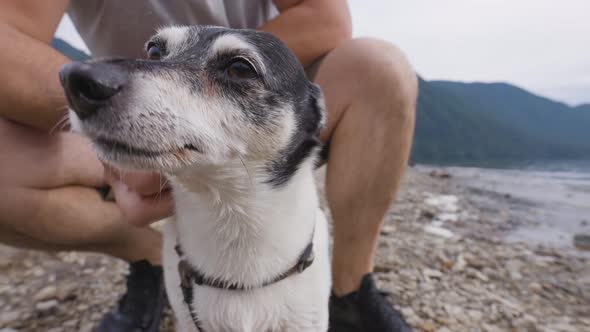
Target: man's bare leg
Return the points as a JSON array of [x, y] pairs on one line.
[[370, 92]]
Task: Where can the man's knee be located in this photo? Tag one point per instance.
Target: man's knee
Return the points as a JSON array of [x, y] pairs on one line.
[[382, 73]]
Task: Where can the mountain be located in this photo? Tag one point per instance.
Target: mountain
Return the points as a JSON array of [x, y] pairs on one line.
[[495, 122], [480, 123], [68, 50]]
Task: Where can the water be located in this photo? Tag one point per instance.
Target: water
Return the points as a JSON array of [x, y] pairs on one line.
[[549, 202]]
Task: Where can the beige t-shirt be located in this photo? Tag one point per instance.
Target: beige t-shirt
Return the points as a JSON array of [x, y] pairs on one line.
[[121, 27]]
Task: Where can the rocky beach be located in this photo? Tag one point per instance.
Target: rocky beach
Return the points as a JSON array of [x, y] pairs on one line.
[[447, 259]]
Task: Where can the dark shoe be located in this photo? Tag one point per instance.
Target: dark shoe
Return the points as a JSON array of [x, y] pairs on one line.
[[140, 309], [365, 310]]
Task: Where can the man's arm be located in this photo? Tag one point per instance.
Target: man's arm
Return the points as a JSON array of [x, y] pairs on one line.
[[30, 92], [311, 28]]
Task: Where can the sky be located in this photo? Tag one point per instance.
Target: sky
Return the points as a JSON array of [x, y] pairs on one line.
[[540, 45]]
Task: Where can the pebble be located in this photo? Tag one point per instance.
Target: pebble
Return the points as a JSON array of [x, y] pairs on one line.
[[8, 317], [438, 231], [5, 289], [407, 311], [82, 307], [447, 217], [526, 323], [46, 293], [430, 273], [88, 327], [490, 328], [38, 272], [387, 229], [460, 264], [46, 306], [582, 241], [56, 329], [428, 326], [70, 323], [453, 310], [475, 315], [67, 291], [441, 174], [443, 329], [536, 287], [445, 203], [471, 272], [513, 268]]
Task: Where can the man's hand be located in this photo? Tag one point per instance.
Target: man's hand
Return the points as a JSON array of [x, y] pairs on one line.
[[142, 197], [38, 160]]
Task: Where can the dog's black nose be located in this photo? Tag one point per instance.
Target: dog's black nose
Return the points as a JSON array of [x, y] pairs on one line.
[[89, 86]]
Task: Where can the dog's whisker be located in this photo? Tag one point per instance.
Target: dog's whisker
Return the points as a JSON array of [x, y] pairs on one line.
[[60, 124], [157, 197], [163, 185], [121, 175], [160, 180], [110, 172], [55, 96], [247, 172], [65, 124]]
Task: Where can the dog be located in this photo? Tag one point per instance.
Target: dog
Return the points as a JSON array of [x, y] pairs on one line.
[[231, 120]]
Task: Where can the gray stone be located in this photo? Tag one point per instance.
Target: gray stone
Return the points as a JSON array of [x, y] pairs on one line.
[[70, 323], [443, 329], [387, 230], [88, 327], [67, 291], [526, 323], [46, 306], [460, 264], [431, 273], [582, 241], [45, 294], [9, 317], [475, 315]]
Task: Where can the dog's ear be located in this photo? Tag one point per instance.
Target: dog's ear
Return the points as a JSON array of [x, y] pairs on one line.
[[317, 108]]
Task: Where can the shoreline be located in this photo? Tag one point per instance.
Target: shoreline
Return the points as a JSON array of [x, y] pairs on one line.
[[466, 279], [535, 207]]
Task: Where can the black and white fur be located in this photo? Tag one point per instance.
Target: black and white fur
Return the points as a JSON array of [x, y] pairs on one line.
[[238, 147]]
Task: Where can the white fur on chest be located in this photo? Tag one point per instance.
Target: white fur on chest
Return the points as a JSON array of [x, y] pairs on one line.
[[250, 234]]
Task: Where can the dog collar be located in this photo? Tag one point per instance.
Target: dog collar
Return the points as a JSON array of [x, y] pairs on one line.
[[190, 275]]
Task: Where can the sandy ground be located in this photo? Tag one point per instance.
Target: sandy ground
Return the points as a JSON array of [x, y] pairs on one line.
[[441, 256]]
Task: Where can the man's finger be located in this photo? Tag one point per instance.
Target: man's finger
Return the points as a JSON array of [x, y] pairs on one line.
[[142, 210], [39, 160], [146, 184]]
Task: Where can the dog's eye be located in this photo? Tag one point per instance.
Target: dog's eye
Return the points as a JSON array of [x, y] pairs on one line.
[[241, 68], [153, 51]]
